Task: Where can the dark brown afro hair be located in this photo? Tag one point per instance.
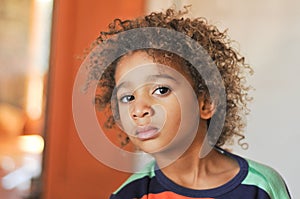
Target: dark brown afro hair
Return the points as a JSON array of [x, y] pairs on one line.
[[230, 63]]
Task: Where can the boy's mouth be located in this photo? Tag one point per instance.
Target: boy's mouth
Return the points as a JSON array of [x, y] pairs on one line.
[[146, 132]]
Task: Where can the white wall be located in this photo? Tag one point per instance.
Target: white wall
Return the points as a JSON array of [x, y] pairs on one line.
[[269, 36]]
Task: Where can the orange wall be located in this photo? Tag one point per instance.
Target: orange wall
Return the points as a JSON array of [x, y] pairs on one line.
[[69, 170]]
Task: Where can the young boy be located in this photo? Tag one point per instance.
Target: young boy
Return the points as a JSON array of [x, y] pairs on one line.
[[165, 95]]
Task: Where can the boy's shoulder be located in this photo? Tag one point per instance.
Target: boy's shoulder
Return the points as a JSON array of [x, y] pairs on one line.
[[147, 172], [254, 176], [266, 178]]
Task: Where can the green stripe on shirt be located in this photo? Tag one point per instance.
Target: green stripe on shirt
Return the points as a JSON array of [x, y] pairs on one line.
[[147, 171], [267, 179]]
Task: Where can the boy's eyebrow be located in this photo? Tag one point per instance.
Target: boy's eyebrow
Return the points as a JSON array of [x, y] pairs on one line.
[[162, 76], [121, 85], [149, 78]]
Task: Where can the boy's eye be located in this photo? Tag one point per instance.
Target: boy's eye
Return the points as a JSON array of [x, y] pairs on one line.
[[162, 91], [127, 98]]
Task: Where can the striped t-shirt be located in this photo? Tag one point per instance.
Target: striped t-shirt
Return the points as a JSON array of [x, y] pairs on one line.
[[254, 181]]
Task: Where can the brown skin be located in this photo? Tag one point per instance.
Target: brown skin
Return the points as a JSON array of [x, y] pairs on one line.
[[212, 171], [188, 170], [218, 45]]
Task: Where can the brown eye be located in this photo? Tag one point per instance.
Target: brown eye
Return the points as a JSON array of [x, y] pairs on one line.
[[127, 98], [162, 91]]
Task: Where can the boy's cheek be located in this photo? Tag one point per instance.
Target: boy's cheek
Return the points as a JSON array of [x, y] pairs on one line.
[[125, 120]]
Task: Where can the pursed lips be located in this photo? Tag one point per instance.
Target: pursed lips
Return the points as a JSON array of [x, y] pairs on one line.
[[146, 132]]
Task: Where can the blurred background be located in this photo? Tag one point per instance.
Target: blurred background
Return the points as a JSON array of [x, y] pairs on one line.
[[41, 155]]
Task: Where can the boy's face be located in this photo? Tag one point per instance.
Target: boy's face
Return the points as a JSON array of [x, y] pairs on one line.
[[157, 106]]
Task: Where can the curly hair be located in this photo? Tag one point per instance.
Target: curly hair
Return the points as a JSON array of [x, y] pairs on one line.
[[230, 63]]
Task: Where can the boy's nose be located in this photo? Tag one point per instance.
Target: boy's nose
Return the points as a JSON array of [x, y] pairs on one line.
[[141, 109]]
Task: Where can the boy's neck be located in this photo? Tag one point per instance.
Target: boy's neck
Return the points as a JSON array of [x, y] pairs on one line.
[[191, 171]]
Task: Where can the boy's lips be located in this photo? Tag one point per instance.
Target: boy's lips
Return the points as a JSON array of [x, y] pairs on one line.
[[146, 132]]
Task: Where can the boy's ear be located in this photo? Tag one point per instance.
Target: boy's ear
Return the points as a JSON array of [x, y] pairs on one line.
[[207, 109]]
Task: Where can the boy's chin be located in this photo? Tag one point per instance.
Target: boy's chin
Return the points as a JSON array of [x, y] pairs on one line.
[[148, 146], [160, 150]]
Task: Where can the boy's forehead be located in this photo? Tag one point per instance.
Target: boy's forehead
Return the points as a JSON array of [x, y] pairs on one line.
[[141, 64], [146, 73], [135, 58]]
